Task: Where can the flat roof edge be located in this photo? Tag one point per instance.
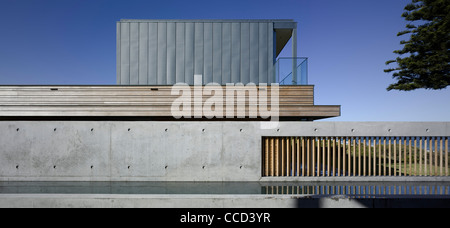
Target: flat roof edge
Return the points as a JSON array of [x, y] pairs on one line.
[[207, 20]]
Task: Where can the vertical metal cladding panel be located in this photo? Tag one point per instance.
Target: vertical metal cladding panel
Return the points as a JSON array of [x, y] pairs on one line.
[[208, 53], [271, 50], [171, 53], [125, 53], [217, 53], [143, 53], [235, 52], [245, 53], [189, 53], [134, 53], [162, 54], [167, 52], [226, 53], [254, 53], [180, 52], [152, 53], [118, 57], [263, 52], [198, 50]]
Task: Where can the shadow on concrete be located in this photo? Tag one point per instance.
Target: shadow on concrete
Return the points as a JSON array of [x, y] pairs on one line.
[[345, 202]]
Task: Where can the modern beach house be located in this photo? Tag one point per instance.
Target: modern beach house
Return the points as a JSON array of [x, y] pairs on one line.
[[166, 52], [203, 101]]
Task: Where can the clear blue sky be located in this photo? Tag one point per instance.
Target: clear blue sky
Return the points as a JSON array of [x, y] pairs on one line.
[[62, 42]]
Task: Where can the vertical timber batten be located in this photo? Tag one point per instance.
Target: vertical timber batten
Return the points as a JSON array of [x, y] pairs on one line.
[[319, 156]]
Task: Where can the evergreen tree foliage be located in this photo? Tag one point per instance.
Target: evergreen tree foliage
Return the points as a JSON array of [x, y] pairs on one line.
[[424, 61]]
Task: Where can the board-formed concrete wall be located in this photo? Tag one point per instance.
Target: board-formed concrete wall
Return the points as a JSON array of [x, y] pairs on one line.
[[161, 151]]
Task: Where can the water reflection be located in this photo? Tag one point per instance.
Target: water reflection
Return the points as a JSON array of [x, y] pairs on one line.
[[363, 189], [349, 189]]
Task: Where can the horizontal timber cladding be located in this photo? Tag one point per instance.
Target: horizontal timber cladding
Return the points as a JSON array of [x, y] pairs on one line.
[[148, 101], [158, 52], [355, 156]]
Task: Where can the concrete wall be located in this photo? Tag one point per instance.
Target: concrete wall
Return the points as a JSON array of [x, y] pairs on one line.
[[161, 151]]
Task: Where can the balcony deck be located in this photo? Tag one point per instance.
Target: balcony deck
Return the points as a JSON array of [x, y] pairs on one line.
[[152, 102]]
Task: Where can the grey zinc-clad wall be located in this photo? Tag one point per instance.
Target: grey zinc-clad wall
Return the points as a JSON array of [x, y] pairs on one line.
[[158, 52]]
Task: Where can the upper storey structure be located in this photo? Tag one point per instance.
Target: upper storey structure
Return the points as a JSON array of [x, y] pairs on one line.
[[166, 52]]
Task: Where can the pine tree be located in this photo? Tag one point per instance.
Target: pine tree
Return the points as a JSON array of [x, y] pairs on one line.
[[428, 62]]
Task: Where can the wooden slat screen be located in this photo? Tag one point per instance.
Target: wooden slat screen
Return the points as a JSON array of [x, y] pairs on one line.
[[355, 156]]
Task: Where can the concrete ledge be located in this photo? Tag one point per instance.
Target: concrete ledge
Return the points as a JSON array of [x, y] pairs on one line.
[[144, 201], [262, 179], [210, 201]]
